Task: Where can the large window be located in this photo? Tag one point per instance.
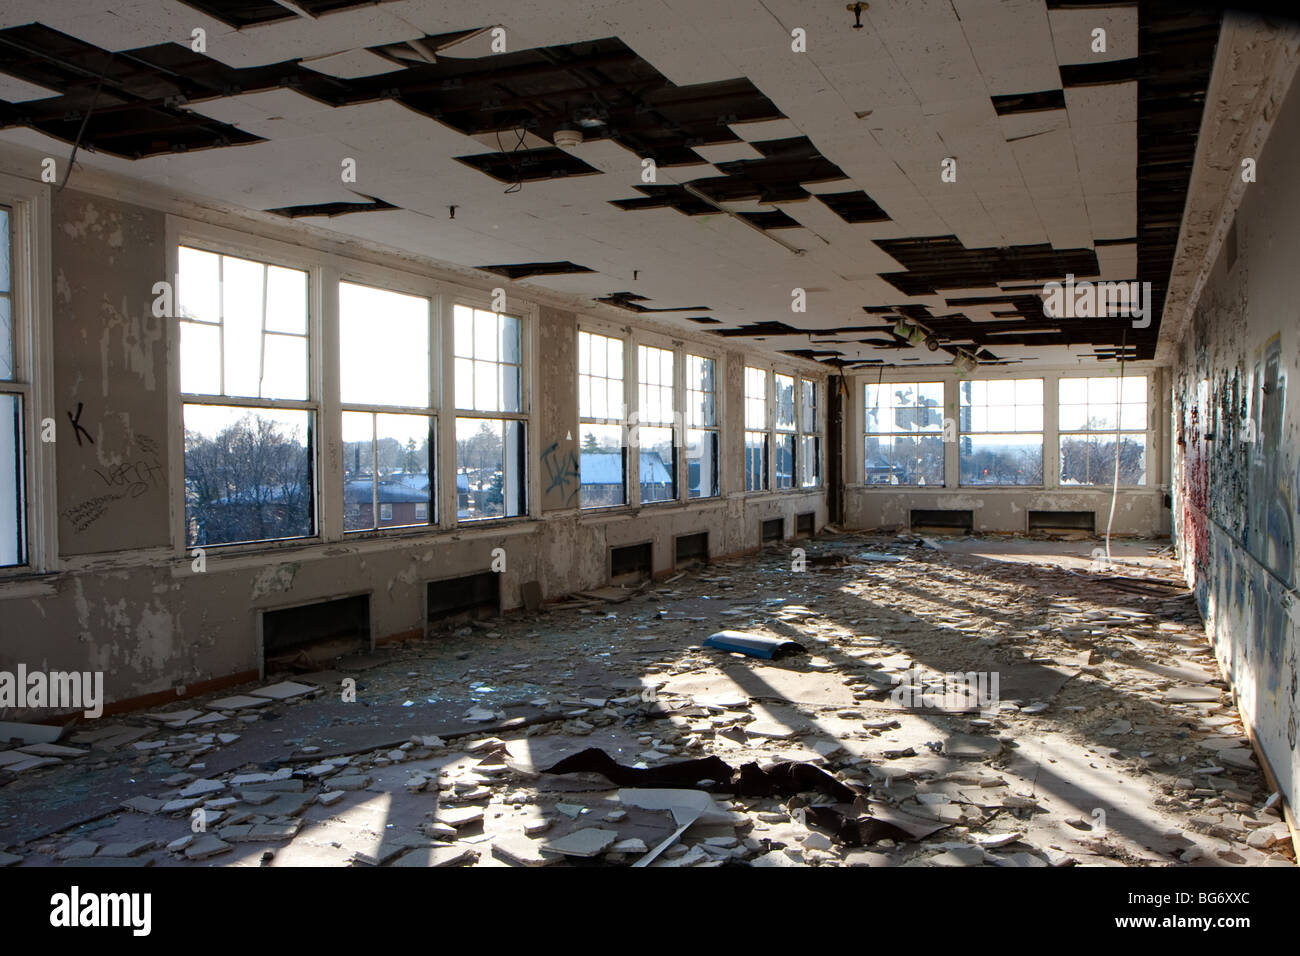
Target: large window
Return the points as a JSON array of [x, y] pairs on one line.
[[810, 442], [601, 421], [1002, 432], [701, 427], [386, 386], [756, 433], [249, 423], [13, 497], [904, 434], [491, 440], [1094, 415], [656, 443]]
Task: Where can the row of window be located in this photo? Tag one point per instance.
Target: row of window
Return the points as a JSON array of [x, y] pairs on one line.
[[250, 413], [999, 432]]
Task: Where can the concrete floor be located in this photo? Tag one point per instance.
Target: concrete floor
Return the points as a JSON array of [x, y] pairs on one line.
[[1112, 742]]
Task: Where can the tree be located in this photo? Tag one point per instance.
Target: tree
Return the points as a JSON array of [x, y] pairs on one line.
[[250, 482], [589, 443]]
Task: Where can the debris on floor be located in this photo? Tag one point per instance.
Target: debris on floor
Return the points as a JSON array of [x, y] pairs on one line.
[[945, 708]]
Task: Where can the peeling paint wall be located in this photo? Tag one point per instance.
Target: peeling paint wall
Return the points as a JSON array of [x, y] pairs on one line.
[[1236, 421], [110, 375]]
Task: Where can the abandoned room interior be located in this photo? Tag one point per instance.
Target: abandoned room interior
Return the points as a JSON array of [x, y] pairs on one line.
[[603, 433]]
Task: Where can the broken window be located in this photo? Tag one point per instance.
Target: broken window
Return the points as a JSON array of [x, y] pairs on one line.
[[13, 505], [1097, 416], [701, 427], [810, 442], [784, 423], [904, 434], [601, 420], [388, 463], [249, 422], [656, 443], [756, 434], [1001, 439], [491, 423]]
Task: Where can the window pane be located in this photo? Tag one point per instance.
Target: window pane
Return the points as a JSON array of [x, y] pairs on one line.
[[1002, 406], [810, 474], [358, 471], [248, 474], [904, 460], [6, 338], [904, 407], [261, 312], [785, 461], [495, 342], [808, 411], [286, 300], [198, 294], [600, 377], [602, 466], [701, 404], [784, 402], [490, 468], [755, 398], [1001, 459], [658, 464], [1090, 459], [402, 475], [200, 358], [13, 510], [383, 347], [755, 461], [655, 387], [701, 463]]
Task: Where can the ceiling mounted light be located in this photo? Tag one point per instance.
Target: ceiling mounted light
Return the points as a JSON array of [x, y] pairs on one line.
[[932, 343], [567, 137], [964, 362]]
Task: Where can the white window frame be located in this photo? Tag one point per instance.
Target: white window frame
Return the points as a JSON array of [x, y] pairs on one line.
[[630, 487], [526, 313], [769, 398], [864, 434], [639, 340], [32, 316], [406, 284], [688, 351], [1045, 428], [817, 432], [1144, 434], [209, 238]]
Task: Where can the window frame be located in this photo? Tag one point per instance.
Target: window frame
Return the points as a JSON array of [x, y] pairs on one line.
[[1042, 432], [227, 242], [403, 284], [1144, 434], [802, 434], [526, 313], [31, 313], [675, 423], [625, 335], [691, 350], [891, 434]]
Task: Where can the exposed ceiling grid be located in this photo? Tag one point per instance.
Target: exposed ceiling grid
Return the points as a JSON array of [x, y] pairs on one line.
[[862, 120]]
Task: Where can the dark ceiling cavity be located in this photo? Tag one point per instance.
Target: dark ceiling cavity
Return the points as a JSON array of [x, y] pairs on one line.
[[332, 208], [854, 206], [523, 270], [770, 219], [778, 176], [134, 97], [1029, 102], [1106, 71], [632, 303], [243, 13], [529, 165], [942, 262]]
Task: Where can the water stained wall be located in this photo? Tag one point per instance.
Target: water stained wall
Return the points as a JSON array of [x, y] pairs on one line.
[[1236, 445]]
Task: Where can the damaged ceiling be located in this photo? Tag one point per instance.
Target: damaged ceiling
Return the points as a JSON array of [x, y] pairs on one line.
[[773, 169]]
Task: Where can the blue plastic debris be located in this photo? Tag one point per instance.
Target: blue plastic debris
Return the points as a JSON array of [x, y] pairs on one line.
[[755, 645]]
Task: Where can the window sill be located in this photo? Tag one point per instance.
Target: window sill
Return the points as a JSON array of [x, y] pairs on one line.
[[28, 584]]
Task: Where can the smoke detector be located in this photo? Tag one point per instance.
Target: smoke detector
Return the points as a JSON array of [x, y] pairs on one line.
[[567, 137]]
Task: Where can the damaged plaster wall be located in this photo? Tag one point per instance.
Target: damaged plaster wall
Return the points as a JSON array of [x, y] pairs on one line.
[[126, 601], [1236, 451], [110, 375]]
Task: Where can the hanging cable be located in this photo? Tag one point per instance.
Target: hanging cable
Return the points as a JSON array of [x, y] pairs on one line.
[[1119, 411], [85, 120]]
